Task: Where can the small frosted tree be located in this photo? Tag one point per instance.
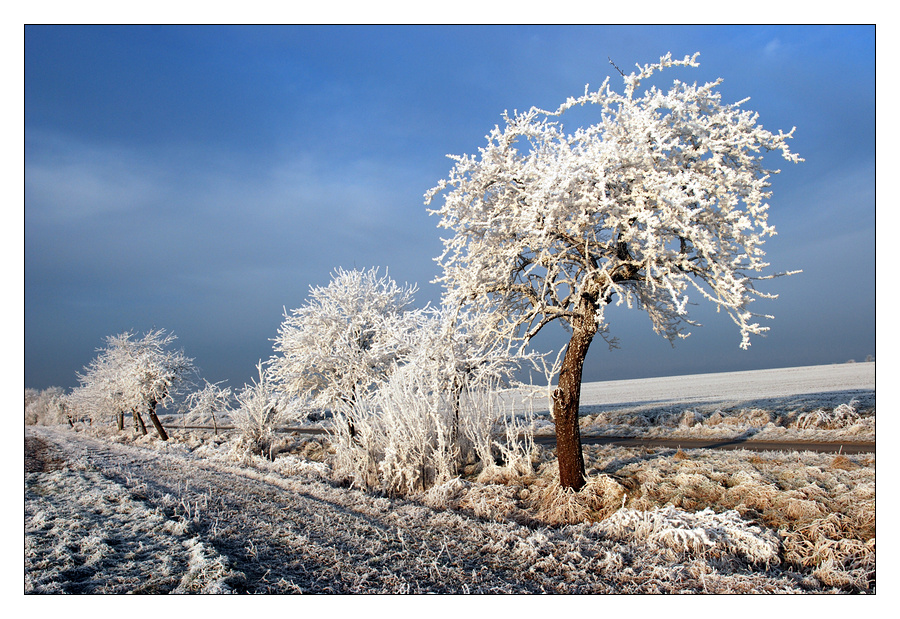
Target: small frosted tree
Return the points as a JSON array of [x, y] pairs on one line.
[[663, 195], [205, 404], [261, 409], [133, 374], [345, 340]]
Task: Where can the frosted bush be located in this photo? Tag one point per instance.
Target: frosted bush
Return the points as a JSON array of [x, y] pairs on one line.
[[701, 533], [46, 407], [409, 436], [440, 408], [839, 417], [261, 409]]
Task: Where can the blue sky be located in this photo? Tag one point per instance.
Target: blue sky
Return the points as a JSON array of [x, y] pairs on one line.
[[200, 179]]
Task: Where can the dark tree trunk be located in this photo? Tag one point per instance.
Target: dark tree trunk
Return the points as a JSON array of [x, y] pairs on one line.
[[156, 424], [138, 422], [120, 421], [567, 398]]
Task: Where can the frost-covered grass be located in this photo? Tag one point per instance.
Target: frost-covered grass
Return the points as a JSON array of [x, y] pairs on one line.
[[647, 521], [201, 512], [844, 416], [86, 533]]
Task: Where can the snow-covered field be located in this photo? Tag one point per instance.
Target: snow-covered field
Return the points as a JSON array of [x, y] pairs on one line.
[[780, 404], [726, 387], [108, 513]]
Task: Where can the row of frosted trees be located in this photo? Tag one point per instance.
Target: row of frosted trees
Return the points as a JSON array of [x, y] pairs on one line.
[[660, 201], [413, 395]]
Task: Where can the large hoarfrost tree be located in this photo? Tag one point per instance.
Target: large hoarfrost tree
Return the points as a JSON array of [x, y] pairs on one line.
[[133, 374], [345, 340], [664, 195]]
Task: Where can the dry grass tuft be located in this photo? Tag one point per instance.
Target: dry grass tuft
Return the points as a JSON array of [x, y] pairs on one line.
[[841, 416], [827, 544], [843, 462]]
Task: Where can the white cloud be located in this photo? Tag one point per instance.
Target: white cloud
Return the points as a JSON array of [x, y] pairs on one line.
[[78, 182], [772, 47]]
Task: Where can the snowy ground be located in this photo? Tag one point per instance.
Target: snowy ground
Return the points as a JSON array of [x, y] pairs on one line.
[[109, 513]]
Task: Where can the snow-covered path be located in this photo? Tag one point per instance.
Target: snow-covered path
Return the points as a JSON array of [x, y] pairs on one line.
[[110, 518]]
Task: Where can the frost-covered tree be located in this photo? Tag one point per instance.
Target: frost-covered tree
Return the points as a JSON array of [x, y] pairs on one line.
[[441, 409], [345, 340], [205, 404], [46, 407], [261, 408], [133, 374], [663, 195]]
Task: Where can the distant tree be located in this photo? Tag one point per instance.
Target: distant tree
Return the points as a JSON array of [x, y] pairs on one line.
[[345, 340], [664, 194], [204, 404], [46, 407], [134, 375], [261, 408]]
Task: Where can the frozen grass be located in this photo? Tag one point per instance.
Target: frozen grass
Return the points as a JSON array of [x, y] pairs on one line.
[[85, 533], [647, 521], [835, 402], [838, 416], [201, 513]]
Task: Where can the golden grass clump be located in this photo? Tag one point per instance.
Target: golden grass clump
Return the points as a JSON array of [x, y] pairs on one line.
[[827, 544], [843, 462], [600, 497]]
